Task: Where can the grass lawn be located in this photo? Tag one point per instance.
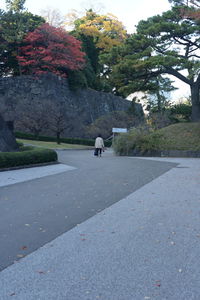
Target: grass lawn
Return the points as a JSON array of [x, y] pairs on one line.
[[181, 136], [52, 145]]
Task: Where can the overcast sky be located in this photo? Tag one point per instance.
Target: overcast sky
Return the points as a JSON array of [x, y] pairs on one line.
[[130, 12]]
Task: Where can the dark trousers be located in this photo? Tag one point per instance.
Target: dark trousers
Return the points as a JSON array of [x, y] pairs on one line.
[[99, 150]]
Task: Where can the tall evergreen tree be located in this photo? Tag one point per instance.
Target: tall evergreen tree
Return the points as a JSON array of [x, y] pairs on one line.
[[164, 44]]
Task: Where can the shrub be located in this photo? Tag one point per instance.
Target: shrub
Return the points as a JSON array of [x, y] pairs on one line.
[[150, 142], [104, 124], [79, 141], [181, 112], [127, 142], [26, 148], [19, 144], [27, 157], [159, 120]]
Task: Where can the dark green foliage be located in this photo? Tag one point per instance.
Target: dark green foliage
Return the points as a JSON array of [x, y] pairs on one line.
[[27, 157], [77, 80], [15, 5], [26, 148], [163, 44], [181, 112], [14, 27], [20, 145], [77, 141]]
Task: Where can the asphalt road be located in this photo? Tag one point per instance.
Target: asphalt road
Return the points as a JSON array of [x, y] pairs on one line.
[[35, 212]]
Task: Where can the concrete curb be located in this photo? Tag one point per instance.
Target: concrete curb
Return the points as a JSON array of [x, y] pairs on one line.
[[30, 166], [166, 153]]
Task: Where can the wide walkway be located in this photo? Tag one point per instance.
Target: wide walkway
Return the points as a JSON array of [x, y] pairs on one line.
[[144, 246]]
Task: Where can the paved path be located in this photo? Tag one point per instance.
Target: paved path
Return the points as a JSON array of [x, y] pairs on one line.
[[23, 175], [35, 212], [145, 246]]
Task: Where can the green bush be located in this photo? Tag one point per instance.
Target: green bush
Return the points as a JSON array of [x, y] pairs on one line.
[[126, 142], [26, 148], [181, 112], [19, 144], [150, 142], [78, 141], [22, 158]]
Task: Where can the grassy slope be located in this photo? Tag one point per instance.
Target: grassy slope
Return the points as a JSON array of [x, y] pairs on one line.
[[52, 145], [181, 136]]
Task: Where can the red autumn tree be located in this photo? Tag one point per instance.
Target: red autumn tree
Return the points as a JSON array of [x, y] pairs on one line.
[[50, 49]]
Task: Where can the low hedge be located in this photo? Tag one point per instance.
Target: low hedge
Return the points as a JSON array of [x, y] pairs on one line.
[[27, 157], [78, 141]]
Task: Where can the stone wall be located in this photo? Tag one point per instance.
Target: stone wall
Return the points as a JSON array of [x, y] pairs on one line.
[[85, 105]]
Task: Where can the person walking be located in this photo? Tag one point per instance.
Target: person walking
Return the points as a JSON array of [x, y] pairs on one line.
[[99, 145]]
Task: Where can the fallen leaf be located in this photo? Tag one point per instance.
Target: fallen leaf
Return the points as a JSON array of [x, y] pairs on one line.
[[13, 294], [41, 272], [158, 284], [23, 247], [20, 255]]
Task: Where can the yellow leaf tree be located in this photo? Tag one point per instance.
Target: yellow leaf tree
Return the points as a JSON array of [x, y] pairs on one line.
[[106, 30], [98, 34]]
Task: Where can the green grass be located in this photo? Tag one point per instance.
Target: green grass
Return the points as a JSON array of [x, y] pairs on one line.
[[181, 136], [52, 145]]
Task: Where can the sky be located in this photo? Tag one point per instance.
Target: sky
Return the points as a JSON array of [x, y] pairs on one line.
[[129, 12]]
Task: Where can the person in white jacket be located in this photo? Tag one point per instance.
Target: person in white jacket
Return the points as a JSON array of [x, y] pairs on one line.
[[99, 145]]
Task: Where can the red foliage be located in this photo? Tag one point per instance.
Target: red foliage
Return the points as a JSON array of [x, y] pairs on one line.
[[50, 49]]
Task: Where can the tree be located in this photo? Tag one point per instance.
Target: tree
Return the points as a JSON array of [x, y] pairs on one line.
[[57, 118], [188, 3], [159, 93], [50, 49], [15, 5], [32, 115], [164, 44], [14, 25], [104, 124], [98, 34], [106, 30], [188, 8], [53, 16]]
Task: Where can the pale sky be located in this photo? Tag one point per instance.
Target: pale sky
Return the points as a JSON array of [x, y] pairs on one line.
[[129, 12]]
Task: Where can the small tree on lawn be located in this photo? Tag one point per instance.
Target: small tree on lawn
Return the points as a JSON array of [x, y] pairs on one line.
[[57, 118], [32, 115], [50, 49]]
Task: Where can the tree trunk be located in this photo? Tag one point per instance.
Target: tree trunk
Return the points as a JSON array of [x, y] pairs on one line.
[[195, 102], [58, 138]]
